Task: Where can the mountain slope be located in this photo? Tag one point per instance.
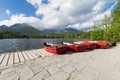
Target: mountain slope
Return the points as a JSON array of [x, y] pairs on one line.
[[49, 31], [24, 29], [65, 30], [68, 30], [4, 27]]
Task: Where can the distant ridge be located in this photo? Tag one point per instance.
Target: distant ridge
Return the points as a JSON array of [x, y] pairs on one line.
[[27, 29], [4, 27], [21, 28], [65, 30]]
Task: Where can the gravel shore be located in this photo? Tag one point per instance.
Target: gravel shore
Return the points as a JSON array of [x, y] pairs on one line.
[[98, 64]]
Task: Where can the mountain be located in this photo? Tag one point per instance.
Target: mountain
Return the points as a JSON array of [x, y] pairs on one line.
[[27, 29], [21, 28], [4, 27], [65, 30], [24, 29], [49, 31], [69, 30]]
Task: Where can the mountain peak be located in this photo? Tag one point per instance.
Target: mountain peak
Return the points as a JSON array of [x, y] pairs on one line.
[[4, 27], [21, 28]]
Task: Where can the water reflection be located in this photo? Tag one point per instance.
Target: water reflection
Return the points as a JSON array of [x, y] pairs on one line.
[[11, 45]]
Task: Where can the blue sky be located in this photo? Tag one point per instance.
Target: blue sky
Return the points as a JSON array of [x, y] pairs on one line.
[[55, 14], [15, 7]]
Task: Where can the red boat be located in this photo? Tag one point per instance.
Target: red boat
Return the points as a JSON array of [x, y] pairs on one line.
[[103, 44], [89, 45], [75, 47], [55, 48]]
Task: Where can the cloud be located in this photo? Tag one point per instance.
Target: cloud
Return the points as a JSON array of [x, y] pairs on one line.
[[8, 12], [71, 12], [21, 18], [58, 14]]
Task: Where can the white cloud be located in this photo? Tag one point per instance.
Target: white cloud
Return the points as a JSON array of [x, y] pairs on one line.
[[78, 14], [35, 3], [21, 18], [8, 12], [98, 6], [71, 12]]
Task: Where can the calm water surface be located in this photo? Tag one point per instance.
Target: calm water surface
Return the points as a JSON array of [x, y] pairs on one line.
[[11, 45]]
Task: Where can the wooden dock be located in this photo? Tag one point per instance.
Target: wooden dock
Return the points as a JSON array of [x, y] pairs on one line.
[[18, 57]]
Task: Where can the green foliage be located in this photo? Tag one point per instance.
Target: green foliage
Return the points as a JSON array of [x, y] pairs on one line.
[[115, 28], [1, 34], [96, 34], [10, 34]]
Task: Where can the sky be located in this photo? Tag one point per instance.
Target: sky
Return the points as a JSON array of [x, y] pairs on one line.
[[55, 14]]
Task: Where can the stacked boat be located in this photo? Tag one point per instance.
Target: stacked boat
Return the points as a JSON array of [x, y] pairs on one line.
[[55, 48], [77, 46], [88, 45]]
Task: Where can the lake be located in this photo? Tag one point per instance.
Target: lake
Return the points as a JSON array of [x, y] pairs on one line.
[[12, 45]]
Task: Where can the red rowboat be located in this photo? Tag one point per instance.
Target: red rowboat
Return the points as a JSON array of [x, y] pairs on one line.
[[103, 44], [55, 48], [89, 45], [75, 47]]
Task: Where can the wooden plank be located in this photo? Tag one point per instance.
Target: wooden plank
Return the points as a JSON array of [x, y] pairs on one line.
[[21, 57], [2, 57], [10, 59], [16, 59], [30, 56], [38, 55], [40, 52], [4, 62], [25, 56]]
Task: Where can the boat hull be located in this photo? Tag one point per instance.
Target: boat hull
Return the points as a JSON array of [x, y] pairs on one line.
[[103, 45], [89, 45], [77, 48], [55, 50]]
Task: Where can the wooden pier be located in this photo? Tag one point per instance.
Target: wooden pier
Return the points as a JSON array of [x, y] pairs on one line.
[[18, 57]]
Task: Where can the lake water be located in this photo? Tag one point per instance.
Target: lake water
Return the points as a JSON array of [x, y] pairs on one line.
[[12, 45]]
